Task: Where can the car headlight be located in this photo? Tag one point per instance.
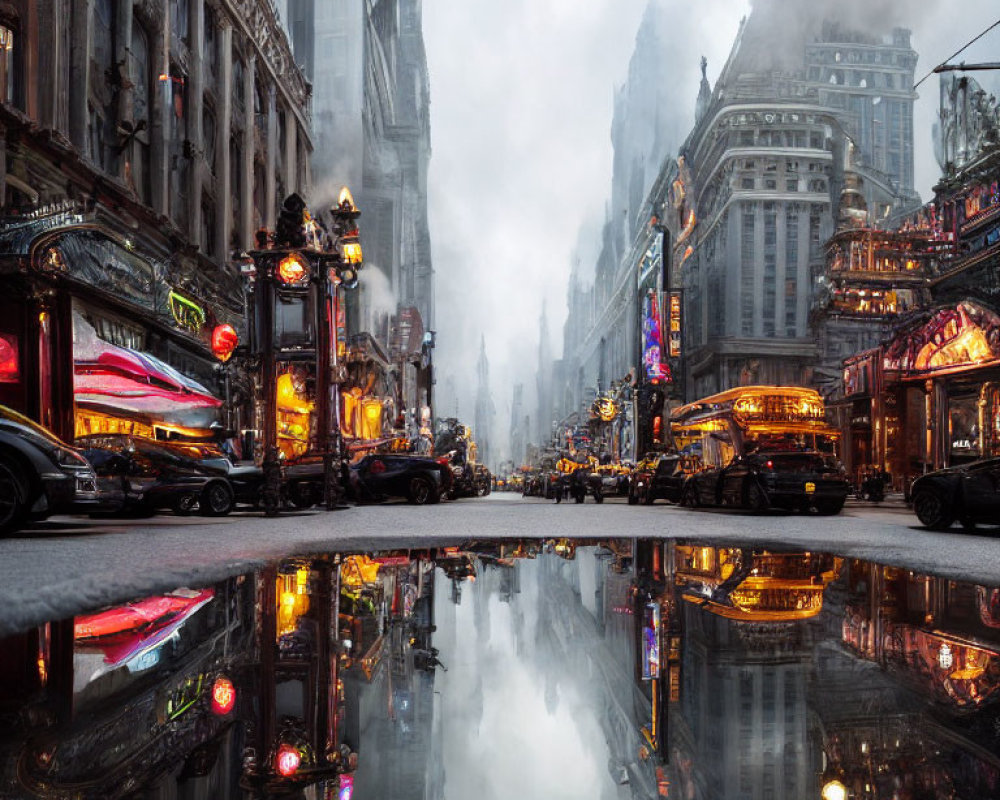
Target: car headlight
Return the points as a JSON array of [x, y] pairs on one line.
[[70, 459]]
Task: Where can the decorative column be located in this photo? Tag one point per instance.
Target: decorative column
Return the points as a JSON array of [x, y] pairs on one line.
[[196, 130], [271, 146], [249, 125], [223, 133], [79, 58]]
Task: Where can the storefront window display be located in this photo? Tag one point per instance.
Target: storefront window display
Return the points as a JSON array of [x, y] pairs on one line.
[[296, 406]]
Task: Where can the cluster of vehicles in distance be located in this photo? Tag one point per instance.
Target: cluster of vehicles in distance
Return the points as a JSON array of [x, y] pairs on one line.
[[122, 474], [770, 447]]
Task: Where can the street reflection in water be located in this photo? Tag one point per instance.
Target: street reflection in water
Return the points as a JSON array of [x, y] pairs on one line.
[[538, 669]]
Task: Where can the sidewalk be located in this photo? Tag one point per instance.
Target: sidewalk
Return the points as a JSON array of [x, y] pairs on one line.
[[892, 500]]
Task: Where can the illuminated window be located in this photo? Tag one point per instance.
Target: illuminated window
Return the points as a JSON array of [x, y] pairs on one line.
[[7, 63]]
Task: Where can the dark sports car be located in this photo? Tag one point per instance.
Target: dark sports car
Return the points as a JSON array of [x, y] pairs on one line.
[[796, 481], [969, 493], [161, 475], [659, 476], [40, 475], [419, 479]]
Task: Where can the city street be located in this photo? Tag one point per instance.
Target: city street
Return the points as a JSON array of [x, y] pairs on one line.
[[68, 564]]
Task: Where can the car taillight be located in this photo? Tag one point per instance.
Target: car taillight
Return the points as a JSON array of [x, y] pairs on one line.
[[769, 465]]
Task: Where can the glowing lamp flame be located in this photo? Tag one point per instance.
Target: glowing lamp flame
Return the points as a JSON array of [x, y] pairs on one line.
[[224, 341], [834, 790], [223, 696], [351, 252], [345, 197], [293, 269], [288, 760]]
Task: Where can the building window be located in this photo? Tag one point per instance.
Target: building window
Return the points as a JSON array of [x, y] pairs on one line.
[[235, 190], [747, 250], [180, 19], [207, 226], [747, 183], [140, 74], [791, 185], [103, 88], [237, 89], [7, 66], [208, 135], [210, 52], [180, 153]]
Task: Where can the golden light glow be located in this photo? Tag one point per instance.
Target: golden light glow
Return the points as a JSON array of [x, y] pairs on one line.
[[968, 347], [345, 195], [293, 268], [351, 252], [834, 790]]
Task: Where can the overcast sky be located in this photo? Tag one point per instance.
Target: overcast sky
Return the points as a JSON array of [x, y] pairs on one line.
[[521, 105]]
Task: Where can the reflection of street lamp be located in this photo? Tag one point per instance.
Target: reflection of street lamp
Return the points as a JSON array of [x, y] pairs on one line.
[[834, 790]]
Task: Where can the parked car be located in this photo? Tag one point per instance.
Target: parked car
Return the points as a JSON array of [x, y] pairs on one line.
[[41, 475], [969, 493], [792, 480], [379, 476], [156, 475], [659, 476]]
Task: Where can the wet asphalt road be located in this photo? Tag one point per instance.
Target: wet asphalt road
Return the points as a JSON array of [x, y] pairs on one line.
[[68, 565]]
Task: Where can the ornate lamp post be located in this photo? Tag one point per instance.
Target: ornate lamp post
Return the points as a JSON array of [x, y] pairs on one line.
[[295, 295]]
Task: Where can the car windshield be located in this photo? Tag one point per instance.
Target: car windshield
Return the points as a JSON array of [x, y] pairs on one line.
[[794, 462], [9, 415]]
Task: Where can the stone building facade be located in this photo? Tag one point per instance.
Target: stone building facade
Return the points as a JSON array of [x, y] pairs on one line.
[[145, 142], [767, 157]]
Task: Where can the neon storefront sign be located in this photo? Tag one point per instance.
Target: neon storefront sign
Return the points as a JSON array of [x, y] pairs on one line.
[[186, 313]]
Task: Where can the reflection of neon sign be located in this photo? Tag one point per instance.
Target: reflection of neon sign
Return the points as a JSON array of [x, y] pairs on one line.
[[185, 696], [186, 313], [10, 365], [651, 642]]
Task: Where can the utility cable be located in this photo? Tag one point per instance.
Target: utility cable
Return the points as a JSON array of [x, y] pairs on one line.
[[949, 58]]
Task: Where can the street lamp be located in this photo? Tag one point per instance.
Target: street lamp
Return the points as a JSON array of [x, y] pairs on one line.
[[295, 280]]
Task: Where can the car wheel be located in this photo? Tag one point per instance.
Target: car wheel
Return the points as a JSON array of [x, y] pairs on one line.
[[689, 496], [301, 495], [12, 506], [647, 497], [216, 500], [828, 508], [598, 497], [932, 510], [756, 500], [185, 504], [422, 491], [633, 498]]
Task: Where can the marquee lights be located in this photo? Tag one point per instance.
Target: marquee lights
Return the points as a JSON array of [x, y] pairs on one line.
[[293, 269]]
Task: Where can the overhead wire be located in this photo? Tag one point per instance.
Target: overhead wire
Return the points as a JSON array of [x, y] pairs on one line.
[[963, 47]]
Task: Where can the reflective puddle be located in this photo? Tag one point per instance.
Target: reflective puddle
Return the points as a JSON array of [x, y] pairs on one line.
[[612, 669]]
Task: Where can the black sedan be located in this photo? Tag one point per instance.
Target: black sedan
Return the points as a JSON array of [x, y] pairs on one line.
[[795, 481], [157, 475], [40, 475], [419, 479], [969, 493], [659, 476]]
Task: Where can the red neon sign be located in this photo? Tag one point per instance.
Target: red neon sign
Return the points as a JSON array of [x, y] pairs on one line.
[[10, 368], [224, 341], [223, 696], [288, 760]]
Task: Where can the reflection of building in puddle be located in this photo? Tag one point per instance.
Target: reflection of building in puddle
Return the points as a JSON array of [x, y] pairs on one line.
[[934, 645], [754, 585]]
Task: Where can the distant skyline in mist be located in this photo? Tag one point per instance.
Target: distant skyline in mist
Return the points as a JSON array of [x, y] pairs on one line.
[[521, 105]]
